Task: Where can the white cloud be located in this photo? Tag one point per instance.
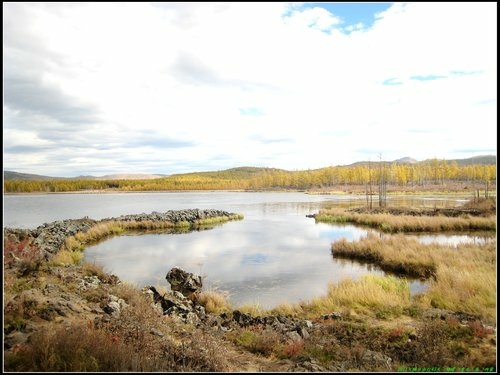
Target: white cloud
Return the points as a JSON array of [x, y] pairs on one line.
[[182, 73]]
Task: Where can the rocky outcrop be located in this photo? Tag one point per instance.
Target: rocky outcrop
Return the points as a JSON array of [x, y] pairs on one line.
[[48, 238], [180, 303], [177, 305], [190, 216], [188, 284]]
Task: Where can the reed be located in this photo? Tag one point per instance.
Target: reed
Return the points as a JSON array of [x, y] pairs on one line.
[[464, 277], [393, 253], [380, 295], [407, 223]]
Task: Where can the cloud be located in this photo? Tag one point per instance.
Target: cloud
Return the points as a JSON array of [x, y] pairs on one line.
[[178, 87], [192, 70], [251, 111], [32, 96]]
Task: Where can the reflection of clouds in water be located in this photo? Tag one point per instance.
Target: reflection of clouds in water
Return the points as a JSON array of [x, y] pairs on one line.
[[274, 255], [452, 239], [269, 267], [256, 259]]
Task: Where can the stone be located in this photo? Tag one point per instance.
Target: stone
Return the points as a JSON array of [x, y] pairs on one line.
[[184, 282]]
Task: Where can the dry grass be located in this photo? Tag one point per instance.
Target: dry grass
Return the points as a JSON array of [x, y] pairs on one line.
[[408, 223], [75, 348], [466, 280], [67, 257], [393, 253], [218, 220], [383, 296], [464, 276], [258, 340], [214, 302]]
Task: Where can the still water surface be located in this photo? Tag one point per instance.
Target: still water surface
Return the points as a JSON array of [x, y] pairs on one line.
[[275, 254]]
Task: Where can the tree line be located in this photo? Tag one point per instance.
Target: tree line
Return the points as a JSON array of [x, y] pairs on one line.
[[402, 176]]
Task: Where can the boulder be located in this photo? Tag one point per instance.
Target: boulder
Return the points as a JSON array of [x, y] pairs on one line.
[[184, 282]]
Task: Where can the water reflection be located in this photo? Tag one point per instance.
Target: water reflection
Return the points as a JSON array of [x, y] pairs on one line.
[[455, 239], [260, 260], [274, 255], [263, 261]]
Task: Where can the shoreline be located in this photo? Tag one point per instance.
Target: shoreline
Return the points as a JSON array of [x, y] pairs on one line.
[[109, 319], [307, 192]]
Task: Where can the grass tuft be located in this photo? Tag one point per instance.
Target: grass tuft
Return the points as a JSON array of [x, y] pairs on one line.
[[214, 302]]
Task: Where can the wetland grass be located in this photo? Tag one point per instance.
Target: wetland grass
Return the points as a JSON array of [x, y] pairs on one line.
[[464, 276], [388, 223]]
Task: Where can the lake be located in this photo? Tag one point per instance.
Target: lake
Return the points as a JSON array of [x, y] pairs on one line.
[[275, 254]]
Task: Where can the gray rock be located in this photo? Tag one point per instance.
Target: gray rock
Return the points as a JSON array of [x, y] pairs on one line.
[[184, 282], [376, 359]]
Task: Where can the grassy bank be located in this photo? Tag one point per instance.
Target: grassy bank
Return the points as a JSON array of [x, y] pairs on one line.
[[464, 277], [54, 317], [407, 223]]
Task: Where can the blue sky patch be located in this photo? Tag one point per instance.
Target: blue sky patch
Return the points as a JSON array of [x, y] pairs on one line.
[[430, 77], [352, 14], [465, 72], [392, 82]]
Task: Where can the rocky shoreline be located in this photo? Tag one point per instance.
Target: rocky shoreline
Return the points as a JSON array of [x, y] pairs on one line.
[[50, 237], [44, 298]]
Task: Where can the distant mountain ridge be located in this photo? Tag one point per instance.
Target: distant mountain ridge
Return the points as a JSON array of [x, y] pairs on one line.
[[11, 175], [482, 159], [242, 171]]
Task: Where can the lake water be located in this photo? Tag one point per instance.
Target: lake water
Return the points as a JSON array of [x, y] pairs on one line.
[[275, 254]]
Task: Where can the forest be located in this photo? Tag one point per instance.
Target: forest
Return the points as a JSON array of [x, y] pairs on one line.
[[365, 177]]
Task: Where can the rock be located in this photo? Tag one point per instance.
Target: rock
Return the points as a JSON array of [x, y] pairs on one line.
[[333, 315], [376, 359], [242, 319], [184, 282], [89, 282], [113, 309], [303, 333], [294, 336], [307, 364], [115, 306], [156, 332], [74, 307]]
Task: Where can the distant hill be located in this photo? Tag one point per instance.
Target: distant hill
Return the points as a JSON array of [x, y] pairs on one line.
[[10, 175], [483, 159], [130, 176], [239, 172], [406, 160]]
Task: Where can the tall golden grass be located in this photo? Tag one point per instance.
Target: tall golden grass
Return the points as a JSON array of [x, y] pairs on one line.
[[379, 295], [465, 275], [214, 302], [407, 223], [395, 253]]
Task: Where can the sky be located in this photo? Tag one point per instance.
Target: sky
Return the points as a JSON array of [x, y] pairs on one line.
[[162, 88]]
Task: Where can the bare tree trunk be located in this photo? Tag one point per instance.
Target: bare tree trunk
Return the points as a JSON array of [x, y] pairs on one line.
[[371, 182], [382, 187]]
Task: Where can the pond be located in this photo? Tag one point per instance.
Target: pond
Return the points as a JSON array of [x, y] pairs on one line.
[[275, 254]]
